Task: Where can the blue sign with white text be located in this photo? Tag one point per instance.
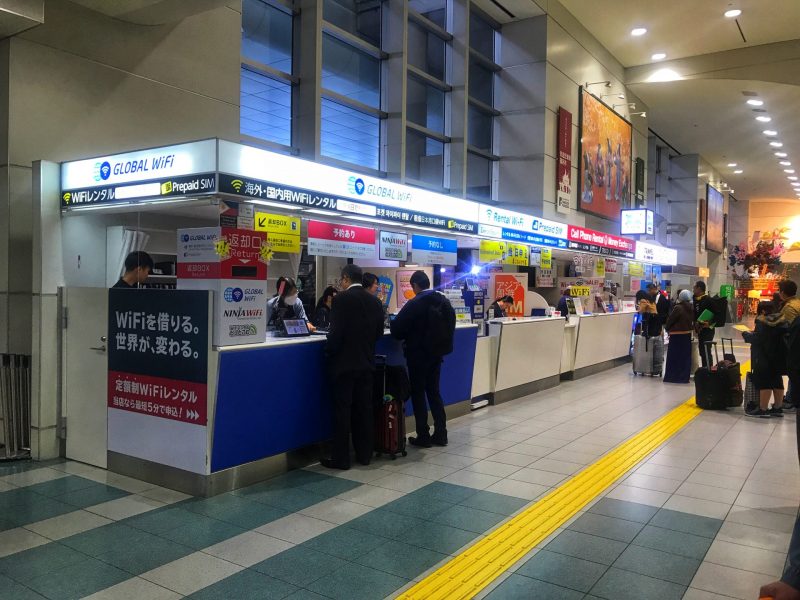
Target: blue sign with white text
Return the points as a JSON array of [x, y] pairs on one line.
[[533, 238], [427, 250]]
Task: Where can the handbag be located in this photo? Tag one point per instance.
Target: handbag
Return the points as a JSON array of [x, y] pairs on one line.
[[751, 395]]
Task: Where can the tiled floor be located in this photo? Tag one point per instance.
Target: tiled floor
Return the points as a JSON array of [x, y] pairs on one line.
[[709, 515]]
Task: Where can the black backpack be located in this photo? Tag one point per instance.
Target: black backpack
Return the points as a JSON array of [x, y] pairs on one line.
[[441, 324], [793, 346], [719, 306]]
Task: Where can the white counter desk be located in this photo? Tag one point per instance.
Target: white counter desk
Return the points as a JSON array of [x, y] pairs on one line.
[[601, 341]]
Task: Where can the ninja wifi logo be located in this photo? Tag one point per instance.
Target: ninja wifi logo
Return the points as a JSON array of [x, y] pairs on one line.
[[355, 185]]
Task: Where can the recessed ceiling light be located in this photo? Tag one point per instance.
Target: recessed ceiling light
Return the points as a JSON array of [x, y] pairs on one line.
[[781, 154], [637, 31], [732, 14], [764, 119], [770, 132], [658, 56], [786, 163], [788, 170], [738, 171], [792, 178], [754, 102], [732, 165], [776, 144]]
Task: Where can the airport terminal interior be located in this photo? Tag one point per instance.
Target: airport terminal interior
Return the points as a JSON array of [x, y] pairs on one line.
[[248, 247]]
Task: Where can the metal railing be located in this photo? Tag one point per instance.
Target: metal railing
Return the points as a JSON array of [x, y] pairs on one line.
[[15, 406]]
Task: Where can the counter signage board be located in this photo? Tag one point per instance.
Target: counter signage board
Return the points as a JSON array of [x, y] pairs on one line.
[[158, 173], [522, 227], [197, 255], [600, 267], [611, 265], [580, 291], [427, 250], [635, 269], [393, 246], [594, 284], [636, 221], [514, 285], [158, 354], [546, 261], [347, 241], [490, 251], [652, 253], [589, 240], [283, 233], [517, 254]]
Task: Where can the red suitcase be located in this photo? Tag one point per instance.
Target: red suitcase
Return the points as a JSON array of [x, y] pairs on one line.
[[390, 418]]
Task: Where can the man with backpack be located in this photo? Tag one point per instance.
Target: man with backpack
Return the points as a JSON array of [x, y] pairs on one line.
[[704, 327], [426, 324]]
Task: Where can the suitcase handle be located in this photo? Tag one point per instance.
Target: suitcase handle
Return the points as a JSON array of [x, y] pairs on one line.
[[730, 340], [708, 350]]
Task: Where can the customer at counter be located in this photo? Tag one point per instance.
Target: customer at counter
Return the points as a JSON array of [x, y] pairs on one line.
[[498, 308], [679, 351], [322, 314], [138, 266], [356, 326], [370, 283], [426, 324], [286, 304], [563, 306]]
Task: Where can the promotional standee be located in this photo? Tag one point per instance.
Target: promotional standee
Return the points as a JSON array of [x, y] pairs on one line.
[[231, 263], [514, 285]]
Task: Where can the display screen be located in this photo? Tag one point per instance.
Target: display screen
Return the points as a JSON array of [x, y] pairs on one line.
[[715, 226], [604, 182], [295, 327], [637, 221]]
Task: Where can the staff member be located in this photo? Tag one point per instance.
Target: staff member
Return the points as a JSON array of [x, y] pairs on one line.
[[370, 283], [499, 307], [286, 304], [322, 314], [356, 326], [704, 329], [138, 266]]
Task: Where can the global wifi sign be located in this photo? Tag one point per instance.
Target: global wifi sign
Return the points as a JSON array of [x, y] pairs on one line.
[[102, 171]]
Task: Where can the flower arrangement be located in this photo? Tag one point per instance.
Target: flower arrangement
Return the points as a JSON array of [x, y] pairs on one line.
[[763, 259]]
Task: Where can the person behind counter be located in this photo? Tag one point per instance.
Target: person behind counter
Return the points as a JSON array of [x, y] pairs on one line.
[[356, 326], [370, 283], [563, 307], [286, 304], [426, 324], [679, 350], [322, 314], [138, 266], [498, 308]]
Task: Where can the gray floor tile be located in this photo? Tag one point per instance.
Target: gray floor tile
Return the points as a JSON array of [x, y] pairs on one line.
[[562, 570], [630, 511], [687, 523], [518, 587], [658, 564], [675, 542], [588, 547], [617, 584], [357, 581], [607, 527]]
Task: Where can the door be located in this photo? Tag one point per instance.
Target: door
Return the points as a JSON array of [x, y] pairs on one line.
[[84, 374]]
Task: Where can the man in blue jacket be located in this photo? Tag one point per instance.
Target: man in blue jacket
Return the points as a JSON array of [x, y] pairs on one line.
[[426, 324]]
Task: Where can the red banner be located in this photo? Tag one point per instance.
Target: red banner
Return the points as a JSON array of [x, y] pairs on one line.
[[341, 233], [158, 397], [598, 238], [242, 259], [564, 160]]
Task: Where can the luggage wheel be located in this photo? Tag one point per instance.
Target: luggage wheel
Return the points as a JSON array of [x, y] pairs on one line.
[[405, 453]]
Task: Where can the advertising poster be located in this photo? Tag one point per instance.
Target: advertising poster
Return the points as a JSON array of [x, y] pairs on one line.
[[404, 291], [546, 260], [491, 251], [346, 241], [197, 256], [600, 267], [517, 254], [635, 269], [702, 222], [283, 233], [604, 174], [427, 250], [514, 285], [158, 353], [715, 225], [385, 289], [611, 265], [636, 221], [544, 278], [594, 284], [564, 161], [393, 246]]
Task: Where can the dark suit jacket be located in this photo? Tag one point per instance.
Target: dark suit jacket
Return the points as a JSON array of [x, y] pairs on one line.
[[356, 324]]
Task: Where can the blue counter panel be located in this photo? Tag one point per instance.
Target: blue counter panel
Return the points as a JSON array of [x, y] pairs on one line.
[[271, 400]]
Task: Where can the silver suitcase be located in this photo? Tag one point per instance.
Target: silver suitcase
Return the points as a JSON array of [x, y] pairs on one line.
[[648, 355]]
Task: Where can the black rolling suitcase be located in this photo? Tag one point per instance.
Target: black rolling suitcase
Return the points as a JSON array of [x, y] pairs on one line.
[[720, 386], [391, 390]]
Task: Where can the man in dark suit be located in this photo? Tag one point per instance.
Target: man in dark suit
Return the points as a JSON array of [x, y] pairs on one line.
[[356, 324], [426, 324]]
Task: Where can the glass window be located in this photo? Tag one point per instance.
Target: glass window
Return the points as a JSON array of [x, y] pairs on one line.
[[424, 158], [350, 72], [266, 110], [481, 83], [425, 105], [350, 135], [480, 129], [362, 19], [481, 35], [267, 35], [479, 177], [433, 10], [426, 51]]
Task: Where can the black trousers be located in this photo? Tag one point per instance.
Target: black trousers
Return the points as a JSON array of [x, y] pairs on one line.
[[423, 376], [706, 335], [352, 413]]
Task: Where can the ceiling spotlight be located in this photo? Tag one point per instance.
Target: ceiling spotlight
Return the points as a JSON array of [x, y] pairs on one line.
[[770, 132], [638, 31], [738, 171], [658, 56], [776, 144], [792, 178], [754, 102], [788, 171], [733, 165], [732, 14], [786, 163], [781, 154], [764, 119]]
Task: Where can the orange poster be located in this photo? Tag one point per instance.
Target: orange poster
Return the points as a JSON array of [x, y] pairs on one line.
[[605, 161], [506, 284]]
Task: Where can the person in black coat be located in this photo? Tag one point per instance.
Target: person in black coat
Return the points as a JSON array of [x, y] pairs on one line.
[[426, 324], [322, 314], [356, 324]]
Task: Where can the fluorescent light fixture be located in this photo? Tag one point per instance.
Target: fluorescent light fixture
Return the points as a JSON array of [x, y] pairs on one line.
[[776, 144], [764, 119], [319, 211], [733, 13], [272, 204], [786, 163], [733, 165], [664, 75], [755, 102], [658, 56], [781, 154], [789, 171], [738, 171], [142, 190], [638, 31], [770, 132], [792, 178]]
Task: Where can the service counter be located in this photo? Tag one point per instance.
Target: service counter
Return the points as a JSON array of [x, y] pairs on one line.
[[269, 408], [602, 341]]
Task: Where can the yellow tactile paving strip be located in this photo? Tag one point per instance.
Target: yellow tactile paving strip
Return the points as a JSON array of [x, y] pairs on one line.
[[486, 560]]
